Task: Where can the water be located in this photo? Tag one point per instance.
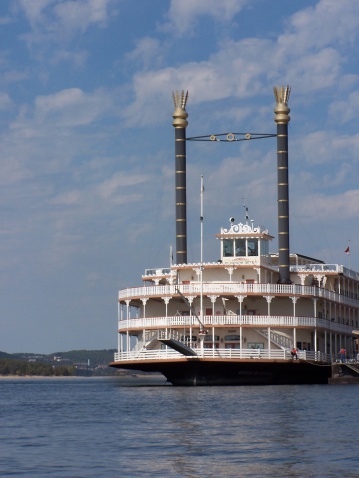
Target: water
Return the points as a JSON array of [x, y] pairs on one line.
[[74, 428]]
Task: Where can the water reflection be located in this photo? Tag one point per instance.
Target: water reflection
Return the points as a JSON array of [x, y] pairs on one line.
[[244, 431], [105, 428]]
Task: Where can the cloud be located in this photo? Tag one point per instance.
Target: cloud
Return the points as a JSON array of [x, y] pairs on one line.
[[147, 54], [58, 22], [344, 206], [53, 16], [325, 23], [327, 146], [182, 15], [76, 58], [78, 15], [46, 136], [245, 67], [345, 111], [5, 101], [114, 186], [72, 107]]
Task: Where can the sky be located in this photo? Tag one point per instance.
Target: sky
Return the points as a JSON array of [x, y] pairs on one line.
[[87, 196]]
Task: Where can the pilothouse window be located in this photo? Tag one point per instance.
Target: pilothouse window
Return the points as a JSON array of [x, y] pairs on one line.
[[253, 247], [240, 247], [228, 248]]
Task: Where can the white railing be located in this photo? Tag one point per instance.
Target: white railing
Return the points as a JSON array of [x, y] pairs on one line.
[[315, 267], [235, 288], [233, 320], [255, 354], [325, 268]]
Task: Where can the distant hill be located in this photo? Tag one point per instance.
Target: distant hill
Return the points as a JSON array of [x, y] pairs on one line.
[[74, 362], [9, 356]]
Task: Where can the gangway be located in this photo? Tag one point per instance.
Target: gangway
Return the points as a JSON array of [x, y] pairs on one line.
[[179, 346]]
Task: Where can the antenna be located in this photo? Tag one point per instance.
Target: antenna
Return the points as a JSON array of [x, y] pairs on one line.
[[246, 210]]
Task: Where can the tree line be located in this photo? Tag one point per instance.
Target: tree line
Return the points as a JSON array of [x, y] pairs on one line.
[[22, 368]]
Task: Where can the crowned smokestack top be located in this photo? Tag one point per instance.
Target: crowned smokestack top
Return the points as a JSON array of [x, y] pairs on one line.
[[179, 115], [281, 109], [282, 119], [180, 124]]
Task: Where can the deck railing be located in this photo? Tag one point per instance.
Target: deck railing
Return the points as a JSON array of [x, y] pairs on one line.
[[236, 288], [233, 320], [255, 354]]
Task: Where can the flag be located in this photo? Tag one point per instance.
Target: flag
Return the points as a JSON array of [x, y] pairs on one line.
[[347, 250]]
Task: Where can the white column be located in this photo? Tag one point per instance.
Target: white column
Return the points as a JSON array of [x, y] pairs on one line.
[[315, 306], [325, 341], [335, 345], [144, 302], [294, 300], [269, 299], [241, 340], [230, 272], [302, 278], [166, 300], [269, 347], [213, 299], [118, 327], [190, 299], [240, 299], [127, 335]]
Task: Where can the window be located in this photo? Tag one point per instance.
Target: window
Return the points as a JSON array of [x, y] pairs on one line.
[[208, 342], [255, 345], [252, 245], [240, 247], [232, 338], [209, 338], [264, 247], [186, 338], [232, 341], [209, 345], [228, 248]]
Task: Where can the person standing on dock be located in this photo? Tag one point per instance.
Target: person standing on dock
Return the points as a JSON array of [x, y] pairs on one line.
[[343, 355]]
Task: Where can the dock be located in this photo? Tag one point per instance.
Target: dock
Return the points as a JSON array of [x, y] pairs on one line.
[[345, 373]]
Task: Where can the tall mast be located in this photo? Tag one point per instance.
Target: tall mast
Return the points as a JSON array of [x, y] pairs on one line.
[[180, 124], [201, 277], [282, 119]]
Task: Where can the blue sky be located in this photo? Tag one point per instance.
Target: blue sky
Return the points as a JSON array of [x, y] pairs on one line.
[[87, 155]]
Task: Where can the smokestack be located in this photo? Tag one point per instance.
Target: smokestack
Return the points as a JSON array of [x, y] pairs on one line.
[[282, 119], [180, 125]]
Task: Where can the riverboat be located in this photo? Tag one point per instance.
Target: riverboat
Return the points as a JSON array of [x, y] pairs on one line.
[[236, 321]]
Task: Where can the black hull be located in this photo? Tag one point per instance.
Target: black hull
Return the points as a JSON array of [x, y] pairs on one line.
[[209, 373]]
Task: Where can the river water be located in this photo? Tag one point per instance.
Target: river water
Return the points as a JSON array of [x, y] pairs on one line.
[[92, 427]]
